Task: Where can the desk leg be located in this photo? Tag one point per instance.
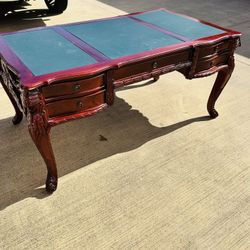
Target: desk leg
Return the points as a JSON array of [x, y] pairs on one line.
[[40, 134], [41, 138], [19, 114], [220, 82], [7, 81]]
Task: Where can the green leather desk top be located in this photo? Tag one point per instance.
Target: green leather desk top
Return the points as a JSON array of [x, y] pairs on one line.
[[46, 50]]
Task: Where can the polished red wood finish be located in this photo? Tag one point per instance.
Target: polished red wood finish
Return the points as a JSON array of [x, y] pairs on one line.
[[51, 99], [77, 87]]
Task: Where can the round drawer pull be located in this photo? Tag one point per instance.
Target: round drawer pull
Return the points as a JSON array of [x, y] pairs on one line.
[[155, 65], [77, 87], [79, 104], [216, 49]]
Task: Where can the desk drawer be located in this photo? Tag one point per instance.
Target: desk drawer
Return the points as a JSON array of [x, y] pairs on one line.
[[151, 65], [212, 50], [213, 61], [74, 87], [74, 105]]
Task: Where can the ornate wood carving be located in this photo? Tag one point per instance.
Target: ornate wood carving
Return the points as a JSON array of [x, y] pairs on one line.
[[40, 133], [58, 120], [11, 86], [196, 51], [110, 95], [153, 74], [209, 72]]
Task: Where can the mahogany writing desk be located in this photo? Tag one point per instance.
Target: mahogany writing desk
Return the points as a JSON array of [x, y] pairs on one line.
[[61, 73]]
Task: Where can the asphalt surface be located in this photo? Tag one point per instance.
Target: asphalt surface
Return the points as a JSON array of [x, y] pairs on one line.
[[226, 13]]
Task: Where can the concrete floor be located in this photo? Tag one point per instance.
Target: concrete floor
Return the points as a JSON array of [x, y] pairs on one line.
[[167, 177]]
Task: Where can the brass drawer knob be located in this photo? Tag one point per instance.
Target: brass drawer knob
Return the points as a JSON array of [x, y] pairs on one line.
[[77, 87], [79, 104], [155, 65]]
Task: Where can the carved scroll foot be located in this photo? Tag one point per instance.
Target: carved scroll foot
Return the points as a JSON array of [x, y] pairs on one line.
[[17, 118], [156, 78], [40, 134], [51, 183], [213, 113], [220, 82]]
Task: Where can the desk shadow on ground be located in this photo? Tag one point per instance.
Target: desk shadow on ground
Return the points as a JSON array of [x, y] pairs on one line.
[[76, 145], [14, 17]]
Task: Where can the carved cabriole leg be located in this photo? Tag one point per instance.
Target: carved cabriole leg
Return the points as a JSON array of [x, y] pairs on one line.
[[40, 133], [220, 82], [6, 81]]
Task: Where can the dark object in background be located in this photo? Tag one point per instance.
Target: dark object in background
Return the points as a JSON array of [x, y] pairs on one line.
[[57, 6]]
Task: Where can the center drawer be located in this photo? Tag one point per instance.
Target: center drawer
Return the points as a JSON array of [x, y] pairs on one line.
[[83, 86], [74, 105], [152, 64]]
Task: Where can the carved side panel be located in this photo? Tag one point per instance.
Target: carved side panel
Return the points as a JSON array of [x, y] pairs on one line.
[[11, 82], [110, 95]]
